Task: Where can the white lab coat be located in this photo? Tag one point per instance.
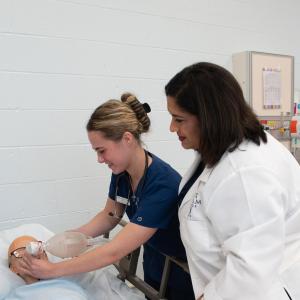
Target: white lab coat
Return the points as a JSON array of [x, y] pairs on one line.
[[240, 225]]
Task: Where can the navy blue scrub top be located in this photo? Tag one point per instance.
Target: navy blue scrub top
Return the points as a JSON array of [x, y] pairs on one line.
[[155, 206]]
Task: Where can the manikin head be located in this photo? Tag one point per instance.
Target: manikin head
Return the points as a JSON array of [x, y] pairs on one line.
[[15, 254]]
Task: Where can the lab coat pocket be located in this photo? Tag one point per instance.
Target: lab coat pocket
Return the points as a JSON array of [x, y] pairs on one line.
[[196, 226], [199, 233]]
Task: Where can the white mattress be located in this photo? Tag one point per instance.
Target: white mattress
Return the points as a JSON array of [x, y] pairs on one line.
[[101, 284]]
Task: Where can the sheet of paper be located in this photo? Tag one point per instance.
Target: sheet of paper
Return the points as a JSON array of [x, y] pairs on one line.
[[271, 88]]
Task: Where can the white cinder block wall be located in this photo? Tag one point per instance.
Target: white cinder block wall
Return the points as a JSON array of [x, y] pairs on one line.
[[59, 59]]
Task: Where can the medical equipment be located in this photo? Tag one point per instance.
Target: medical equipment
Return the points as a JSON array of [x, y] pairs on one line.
[[134, 198], [66, 244], [295, 134]]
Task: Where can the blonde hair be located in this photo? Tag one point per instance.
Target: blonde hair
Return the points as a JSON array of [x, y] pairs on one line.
[[114, 117]]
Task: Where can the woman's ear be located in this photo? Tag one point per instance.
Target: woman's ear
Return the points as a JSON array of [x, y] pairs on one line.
[[127, 137]]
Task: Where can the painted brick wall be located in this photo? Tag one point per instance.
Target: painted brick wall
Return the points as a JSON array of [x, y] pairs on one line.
[[59, 59]]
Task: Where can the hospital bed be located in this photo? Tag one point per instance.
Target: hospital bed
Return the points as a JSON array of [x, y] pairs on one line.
[[107, 283], [127, 268]]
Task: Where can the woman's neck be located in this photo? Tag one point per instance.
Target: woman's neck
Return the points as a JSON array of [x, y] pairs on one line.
[[137, 166]]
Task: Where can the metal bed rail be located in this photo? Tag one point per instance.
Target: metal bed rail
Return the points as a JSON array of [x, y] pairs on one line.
[[127, 267]]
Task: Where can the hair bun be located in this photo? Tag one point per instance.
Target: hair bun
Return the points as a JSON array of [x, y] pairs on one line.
[[146, 107], [125, 97], [140, 110]]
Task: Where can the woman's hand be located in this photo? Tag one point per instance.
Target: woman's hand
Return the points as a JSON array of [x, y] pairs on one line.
[[38, 268]]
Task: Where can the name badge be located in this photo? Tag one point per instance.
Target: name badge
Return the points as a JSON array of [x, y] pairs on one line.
[[122, 200], [195, 203]]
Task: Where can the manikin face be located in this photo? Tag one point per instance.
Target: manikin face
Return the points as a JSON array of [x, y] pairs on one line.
[[116, 155], [185, 125], [15, 254]]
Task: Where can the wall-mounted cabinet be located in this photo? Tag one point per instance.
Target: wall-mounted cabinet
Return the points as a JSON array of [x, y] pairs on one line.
[[267, 81]]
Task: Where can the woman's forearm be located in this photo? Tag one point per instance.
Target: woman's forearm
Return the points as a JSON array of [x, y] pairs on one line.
[[128, 239], [89, 261]]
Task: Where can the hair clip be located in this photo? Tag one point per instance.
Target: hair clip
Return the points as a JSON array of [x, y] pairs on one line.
[[146, 107]]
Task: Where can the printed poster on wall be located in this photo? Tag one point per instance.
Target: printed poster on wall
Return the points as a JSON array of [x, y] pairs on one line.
[[271, 88]]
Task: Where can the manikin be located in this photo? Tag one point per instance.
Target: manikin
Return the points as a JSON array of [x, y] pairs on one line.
[[15, 254]]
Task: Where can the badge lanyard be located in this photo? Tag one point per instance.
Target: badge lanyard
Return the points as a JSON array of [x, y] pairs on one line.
[[134, 196]]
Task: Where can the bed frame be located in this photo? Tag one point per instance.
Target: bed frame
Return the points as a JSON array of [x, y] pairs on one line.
[[127, 267]]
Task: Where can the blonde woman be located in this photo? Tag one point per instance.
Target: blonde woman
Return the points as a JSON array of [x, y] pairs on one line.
[[142, 186]]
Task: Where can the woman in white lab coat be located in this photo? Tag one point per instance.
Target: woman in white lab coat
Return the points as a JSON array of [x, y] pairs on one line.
[[240, 209]]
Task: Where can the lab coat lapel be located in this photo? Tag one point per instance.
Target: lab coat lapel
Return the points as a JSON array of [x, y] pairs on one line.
[[204, 176], [190, 171], [201, 180]]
